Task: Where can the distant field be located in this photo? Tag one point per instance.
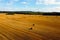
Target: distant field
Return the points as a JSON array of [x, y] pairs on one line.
[[17, 27]]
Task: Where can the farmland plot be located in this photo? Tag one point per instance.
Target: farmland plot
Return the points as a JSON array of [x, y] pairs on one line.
[[17, 27]]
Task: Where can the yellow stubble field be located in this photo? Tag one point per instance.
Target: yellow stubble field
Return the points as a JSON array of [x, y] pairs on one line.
[[17, 27]]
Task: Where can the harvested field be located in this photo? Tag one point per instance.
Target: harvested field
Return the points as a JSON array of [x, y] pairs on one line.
[[17, 27]]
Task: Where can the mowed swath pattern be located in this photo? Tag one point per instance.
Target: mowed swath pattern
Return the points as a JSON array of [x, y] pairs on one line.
[[16, 27]]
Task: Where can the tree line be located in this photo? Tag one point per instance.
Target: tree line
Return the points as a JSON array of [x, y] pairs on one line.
[[30, 13]]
